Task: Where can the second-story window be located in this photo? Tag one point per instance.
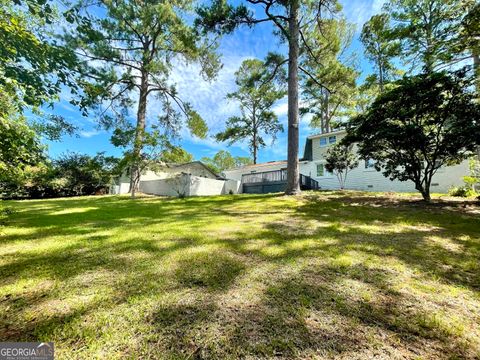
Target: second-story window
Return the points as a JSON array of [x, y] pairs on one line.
[[332, 139], [323, 141]]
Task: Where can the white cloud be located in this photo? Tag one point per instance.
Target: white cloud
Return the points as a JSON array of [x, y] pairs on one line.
[[281, 109], [360, 11], [90, 133], [377, 6]]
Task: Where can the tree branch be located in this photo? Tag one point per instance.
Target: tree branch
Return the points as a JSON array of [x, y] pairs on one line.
[[315, 80]]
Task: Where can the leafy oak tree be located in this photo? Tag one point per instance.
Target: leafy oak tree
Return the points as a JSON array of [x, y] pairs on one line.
[[132, 49], [34, 67], [292, 20], [426, 122], [256, 93]]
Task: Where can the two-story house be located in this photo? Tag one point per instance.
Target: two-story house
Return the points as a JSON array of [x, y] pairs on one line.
[[271, 176]]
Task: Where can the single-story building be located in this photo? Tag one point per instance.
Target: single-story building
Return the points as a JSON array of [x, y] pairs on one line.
[[271, 176], [188, 179]]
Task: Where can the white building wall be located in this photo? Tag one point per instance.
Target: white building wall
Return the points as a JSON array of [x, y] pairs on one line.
[[233, 186], [200, 186], [161, 187], [186, 184], [369, 179], [360, 178], [123, 187]]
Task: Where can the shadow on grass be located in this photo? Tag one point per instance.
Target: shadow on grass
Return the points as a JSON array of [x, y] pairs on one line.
[[305, 305]]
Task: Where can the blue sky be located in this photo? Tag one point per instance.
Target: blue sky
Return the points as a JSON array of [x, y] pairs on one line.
[[208, 98]]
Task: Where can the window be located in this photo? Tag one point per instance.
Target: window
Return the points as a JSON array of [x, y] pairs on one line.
[[320, 170], [369, 164], [323, 141], [332, 139]]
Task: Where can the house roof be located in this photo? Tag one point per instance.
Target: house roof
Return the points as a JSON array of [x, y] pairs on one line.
[[175, 165], [307, 153], [268, 163], [315, 136]]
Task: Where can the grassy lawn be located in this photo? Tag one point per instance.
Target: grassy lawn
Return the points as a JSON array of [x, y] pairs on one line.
[[326, 275]]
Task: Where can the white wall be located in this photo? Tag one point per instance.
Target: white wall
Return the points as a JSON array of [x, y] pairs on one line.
[[366, 179], [372, 180], [200, 186], [184, 183], [162, 187], [121, 189], [233, 186]]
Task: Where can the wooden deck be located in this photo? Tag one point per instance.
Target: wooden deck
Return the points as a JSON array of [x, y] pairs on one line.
[[273, 181]]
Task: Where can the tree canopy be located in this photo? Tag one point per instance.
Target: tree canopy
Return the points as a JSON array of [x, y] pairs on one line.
[[328, 86], [427, 121], [380, 47], [256, 93], [340, 160], [176, 155], [223, 160], [428, 31], [128, 56]]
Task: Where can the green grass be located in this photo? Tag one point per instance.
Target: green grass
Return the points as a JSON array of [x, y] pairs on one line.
[[330, 274]]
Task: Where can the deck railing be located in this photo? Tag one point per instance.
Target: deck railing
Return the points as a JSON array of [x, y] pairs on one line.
[[306, 182], [267, 176]]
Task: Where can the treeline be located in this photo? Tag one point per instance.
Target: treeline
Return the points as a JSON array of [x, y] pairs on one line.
[[71, 174], [74, 174]]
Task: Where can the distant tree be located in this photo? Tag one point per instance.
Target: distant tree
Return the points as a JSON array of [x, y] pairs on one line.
[[427, 121], [71, 174], [329, 84], [129, 49], [256, 93], [469, 39], [472, 180], [340, 160], [428, 31], [223, 160], [380, 47], [83, 174], [175, 154]]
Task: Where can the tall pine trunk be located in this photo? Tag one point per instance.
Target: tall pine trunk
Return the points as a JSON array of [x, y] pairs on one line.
[[139, 135], [476, 67], [293, 174], [255, 135]]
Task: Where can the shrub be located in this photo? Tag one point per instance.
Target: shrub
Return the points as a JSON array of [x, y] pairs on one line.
[[461, 191]]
